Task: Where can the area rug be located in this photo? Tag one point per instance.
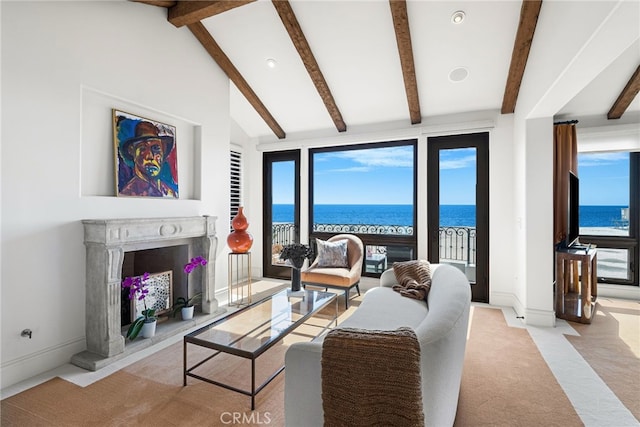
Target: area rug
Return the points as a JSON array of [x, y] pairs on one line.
[[505, 383], [505, 380], [611, 345]]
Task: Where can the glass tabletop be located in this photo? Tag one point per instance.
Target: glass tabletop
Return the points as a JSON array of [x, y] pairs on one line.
[[251, 330]]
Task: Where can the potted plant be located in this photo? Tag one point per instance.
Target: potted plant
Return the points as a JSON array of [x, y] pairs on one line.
[[295, 254], [145, 323], [186, 305]]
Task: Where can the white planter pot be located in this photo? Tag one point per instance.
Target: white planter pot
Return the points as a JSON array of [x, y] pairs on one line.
[[148, 329], [187, 313]]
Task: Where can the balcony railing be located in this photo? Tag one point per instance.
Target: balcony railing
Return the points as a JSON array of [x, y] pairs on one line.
[[456, 243], [283, 233], [397, 230]]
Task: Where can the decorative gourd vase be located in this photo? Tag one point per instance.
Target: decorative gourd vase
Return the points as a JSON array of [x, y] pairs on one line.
[[240, 240], [148, 329]]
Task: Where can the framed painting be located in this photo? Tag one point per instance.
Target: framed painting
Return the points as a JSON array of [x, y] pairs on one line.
[[160, 296], [146, 163]]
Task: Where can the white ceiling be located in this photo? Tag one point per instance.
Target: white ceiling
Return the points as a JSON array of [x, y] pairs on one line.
[[355, 46]]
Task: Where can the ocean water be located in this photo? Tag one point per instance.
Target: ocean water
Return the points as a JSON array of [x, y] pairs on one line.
[[450, 215], [600, 216]]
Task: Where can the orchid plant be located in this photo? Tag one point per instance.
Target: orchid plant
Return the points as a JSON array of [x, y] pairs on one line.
[[194, 263], [138, 289], [183, 302]]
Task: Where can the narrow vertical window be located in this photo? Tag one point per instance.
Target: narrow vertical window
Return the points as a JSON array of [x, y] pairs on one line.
[[235, 167]]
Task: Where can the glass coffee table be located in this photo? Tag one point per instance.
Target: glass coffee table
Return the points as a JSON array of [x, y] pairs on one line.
[[253, 330]]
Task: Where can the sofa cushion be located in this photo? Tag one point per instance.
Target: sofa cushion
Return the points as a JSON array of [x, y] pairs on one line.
[[386, 310], [332, 254]]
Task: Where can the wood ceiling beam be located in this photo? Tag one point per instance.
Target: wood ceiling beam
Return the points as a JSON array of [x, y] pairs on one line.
[[159, 3], [207, 41], [190, 12], [403, 38], [526, 28], [626, 96], [300, 42]]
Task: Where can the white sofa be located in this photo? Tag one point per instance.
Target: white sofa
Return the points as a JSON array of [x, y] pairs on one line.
[[441, 328]]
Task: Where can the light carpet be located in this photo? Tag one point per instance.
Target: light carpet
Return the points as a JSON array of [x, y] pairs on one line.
[[505, 382]]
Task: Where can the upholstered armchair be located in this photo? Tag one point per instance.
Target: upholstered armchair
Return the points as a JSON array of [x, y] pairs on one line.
[[333, 268]]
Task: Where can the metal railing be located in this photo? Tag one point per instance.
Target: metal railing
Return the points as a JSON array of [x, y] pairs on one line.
[[283, 233], [397, 230], [456, 243]]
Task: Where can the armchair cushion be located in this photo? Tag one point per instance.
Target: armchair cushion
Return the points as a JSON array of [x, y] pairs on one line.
[[332, 254]]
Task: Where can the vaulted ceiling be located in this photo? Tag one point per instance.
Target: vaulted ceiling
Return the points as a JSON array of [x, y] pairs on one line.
[[300, 67]]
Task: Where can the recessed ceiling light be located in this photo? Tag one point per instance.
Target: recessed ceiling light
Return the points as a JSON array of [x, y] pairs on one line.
[[458, 74], [457, 17], [271, 63]]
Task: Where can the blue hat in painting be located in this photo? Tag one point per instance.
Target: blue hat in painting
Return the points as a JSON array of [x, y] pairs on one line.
[[145, 131]]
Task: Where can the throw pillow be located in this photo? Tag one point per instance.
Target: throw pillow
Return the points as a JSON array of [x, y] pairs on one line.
[[414, 278], [332, 254]]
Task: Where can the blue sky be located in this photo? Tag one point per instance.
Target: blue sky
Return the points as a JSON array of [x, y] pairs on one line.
[[604, 178], [458, 176], [384, 176], [369, 176]]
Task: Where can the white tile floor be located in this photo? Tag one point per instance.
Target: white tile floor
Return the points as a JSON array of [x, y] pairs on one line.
[[593, 400]]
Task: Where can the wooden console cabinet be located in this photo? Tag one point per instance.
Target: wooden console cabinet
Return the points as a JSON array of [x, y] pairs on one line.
[[576, 292]]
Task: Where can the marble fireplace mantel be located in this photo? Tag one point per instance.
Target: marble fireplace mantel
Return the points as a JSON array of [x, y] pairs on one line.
[[106, 241]]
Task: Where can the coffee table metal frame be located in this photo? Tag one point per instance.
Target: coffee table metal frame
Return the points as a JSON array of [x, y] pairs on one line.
[[192, 338]]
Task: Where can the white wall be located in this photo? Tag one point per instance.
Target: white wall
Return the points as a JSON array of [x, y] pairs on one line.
[[502, 265], [539, 261], [551, 80], [502, 208], [64, 65]]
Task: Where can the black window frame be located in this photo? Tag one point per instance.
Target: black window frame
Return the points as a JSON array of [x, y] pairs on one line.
[[630, 242], [400, 240]]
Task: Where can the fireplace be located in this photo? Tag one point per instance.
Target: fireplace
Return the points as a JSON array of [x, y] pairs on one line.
[[167, 280], [108, 243]]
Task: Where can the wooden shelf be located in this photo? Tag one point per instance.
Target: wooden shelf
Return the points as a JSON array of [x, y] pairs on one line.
[[576, 292]]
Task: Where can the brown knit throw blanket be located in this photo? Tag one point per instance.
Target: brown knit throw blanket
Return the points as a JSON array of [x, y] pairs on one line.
[[414, 278], [371, 378]]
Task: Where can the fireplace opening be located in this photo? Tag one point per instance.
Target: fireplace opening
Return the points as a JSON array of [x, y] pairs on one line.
[[167, 280]]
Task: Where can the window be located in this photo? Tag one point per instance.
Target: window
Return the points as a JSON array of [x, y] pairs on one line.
[[609, 202], [604, 193], [368, 190], [235, 167]]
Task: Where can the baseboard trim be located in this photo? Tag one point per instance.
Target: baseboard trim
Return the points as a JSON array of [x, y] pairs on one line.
[[531, 317], [25, 367], [535, 317], [506, 299]]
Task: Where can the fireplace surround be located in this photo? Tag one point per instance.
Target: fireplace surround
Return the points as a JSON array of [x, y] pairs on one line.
[[106, 242]]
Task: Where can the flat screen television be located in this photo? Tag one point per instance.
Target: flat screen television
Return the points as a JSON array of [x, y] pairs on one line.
[[574, 211]]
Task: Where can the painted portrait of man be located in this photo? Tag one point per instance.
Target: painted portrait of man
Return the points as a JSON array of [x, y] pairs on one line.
[[146, 161]]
